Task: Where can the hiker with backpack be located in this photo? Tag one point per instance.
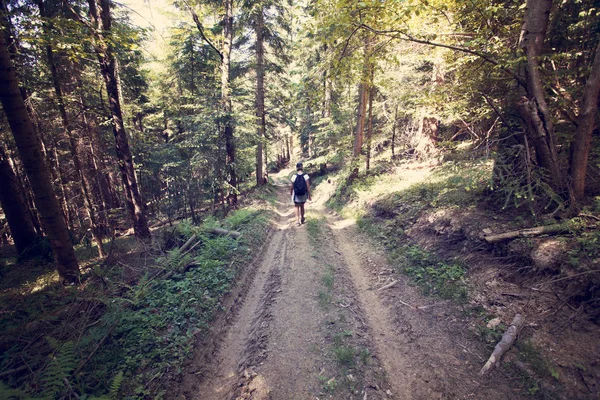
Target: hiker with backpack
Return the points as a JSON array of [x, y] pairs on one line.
[[300, 192]]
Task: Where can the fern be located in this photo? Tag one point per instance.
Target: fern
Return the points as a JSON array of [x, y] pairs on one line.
[[8, 393], [59, 368], [115, 386]]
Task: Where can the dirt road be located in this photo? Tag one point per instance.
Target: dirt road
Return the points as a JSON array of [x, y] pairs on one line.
[[311, 321]]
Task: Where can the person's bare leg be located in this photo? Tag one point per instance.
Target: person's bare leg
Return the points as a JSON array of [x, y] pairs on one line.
[[302, 213], [297, 213]]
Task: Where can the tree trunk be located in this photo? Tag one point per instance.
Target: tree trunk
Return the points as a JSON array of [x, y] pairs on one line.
[[363, 98], [94, 172], [370, 124], [260, 95], [535, 111], [327, 96], [22, 182], [394, 127], [101, 20], [426, 137], [14, 206], [35, 167], [226, 100], [360, 120], [586, 121]]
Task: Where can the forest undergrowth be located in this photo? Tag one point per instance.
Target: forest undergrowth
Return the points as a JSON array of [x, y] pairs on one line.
[[432, 219], [132, 323]]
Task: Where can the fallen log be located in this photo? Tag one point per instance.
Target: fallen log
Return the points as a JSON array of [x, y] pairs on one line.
[[504, 344], [529, 232], [224, 232], [187, 244]]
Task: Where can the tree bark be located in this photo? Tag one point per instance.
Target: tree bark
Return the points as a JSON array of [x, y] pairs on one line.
[[505, 343], [360, 119], [427, 136], [260, 95], [363, 98], [394, 127], [585, 126], [226, 100], [528, 232], [101, 20], [14, 206], [370, 123], [536, 113], [35, 167]]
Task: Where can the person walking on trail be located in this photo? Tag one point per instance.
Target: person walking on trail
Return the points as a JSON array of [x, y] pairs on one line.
[[300, 192]]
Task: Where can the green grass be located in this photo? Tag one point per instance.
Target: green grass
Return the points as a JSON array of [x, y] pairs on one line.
[[328, 277], [324, 298], [345, 355], [314, 228]]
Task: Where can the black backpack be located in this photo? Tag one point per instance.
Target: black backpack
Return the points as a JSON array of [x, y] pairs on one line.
[[300, 185]]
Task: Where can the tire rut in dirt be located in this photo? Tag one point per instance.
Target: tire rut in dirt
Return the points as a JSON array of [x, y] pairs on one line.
[[417, 348], [224, 370]]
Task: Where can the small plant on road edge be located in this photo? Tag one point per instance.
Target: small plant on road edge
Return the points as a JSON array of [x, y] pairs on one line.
[[435, 276]]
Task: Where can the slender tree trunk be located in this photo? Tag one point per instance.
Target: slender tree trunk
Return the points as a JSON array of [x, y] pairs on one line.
[[370, 125], [363, 98], [33, 161], [360, 119], [327, 96], [535, 111], [586, 122], [394, 127], [62, 190], [101, 19], [226, 100], [260, 96], [94, 172], [14, 206]]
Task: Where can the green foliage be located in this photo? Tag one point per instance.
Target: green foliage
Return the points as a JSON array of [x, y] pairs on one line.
[[530, 354], [314, 228], [61, 363], [327, 278], [115, 386], [345, 355], [435, 276], [145, 325]]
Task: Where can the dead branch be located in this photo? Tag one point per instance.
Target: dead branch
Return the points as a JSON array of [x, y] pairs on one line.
[[529, 232], [14, 370], [187, 244], [590, 216], [405, 303], [224, 232], [504, 344], [389, 285]]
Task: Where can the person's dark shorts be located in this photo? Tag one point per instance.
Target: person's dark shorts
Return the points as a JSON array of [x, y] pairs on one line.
[[300, 199]]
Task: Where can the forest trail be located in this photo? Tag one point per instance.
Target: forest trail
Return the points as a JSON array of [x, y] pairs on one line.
[[314, 323]]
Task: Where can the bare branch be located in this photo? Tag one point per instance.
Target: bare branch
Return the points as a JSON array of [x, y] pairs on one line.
[[400, 35], [201, 30]]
